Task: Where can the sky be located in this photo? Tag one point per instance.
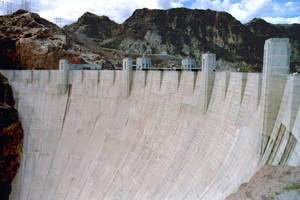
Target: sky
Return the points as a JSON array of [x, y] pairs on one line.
[[273, 11]]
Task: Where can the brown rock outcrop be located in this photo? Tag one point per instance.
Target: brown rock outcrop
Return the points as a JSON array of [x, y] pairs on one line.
[[28, 41]]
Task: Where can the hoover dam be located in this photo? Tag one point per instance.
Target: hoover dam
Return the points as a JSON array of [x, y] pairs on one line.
[[134, 134]]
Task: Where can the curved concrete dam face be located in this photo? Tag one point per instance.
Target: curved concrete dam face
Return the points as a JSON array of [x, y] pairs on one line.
[[92, 135]]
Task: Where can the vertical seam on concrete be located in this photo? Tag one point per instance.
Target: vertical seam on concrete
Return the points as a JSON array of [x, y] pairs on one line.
[[67, 106], [13, 76], [161, 78], [146, 76], [178, 80], [195, 80], [259, 89], [98, 78], [244, 83], [49, 76], [31, 76], [227, 79], [114, 77], [81, 76], [130, 79]]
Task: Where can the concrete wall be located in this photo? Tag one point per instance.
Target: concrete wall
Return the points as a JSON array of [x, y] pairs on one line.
[[85, 138]]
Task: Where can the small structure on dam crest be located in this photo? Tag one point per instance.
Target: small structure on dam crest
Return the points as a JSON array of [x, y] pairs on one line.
[[143, 63], [188, 63]]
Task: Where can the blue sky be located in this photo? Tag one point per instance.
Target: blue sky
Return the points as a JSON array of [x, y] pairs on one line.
[[274, 11]]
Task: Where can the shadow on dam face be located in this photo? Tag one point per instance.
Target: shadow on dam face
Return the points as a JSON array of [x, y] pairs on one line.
[[87, 138]]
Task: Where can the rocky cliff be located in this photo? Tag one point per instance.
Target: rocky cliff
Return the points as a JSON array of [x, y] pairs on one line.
[[11, 138], [27, 42]]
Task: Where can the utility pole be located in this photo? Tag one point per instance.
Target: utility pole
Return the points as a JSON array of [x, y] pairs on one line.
[[26, 5], [3, 4], [58, 21], [8, 7]]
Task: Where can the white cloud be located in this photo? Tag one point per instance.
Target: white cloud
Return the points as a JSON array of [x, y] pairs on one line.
[[118, 10], [245, 10], [282, 20], [212, 4]]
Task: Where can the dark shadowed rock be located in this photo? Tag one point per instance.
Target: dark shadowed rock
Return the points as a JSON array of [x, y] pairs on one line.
[[11, 139], [264, 30]]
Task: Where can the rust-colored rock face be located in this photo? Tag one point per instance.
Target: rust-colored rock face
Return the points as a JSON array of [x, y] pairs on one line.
[[28, 41], [11, 139]]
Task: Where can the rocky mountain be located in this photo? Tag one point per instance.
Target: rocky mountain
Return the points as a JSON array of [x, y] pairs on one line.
[[186, 32], [180, 32], [264, 30], [91, 29], [11, 138], [173, 33]]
